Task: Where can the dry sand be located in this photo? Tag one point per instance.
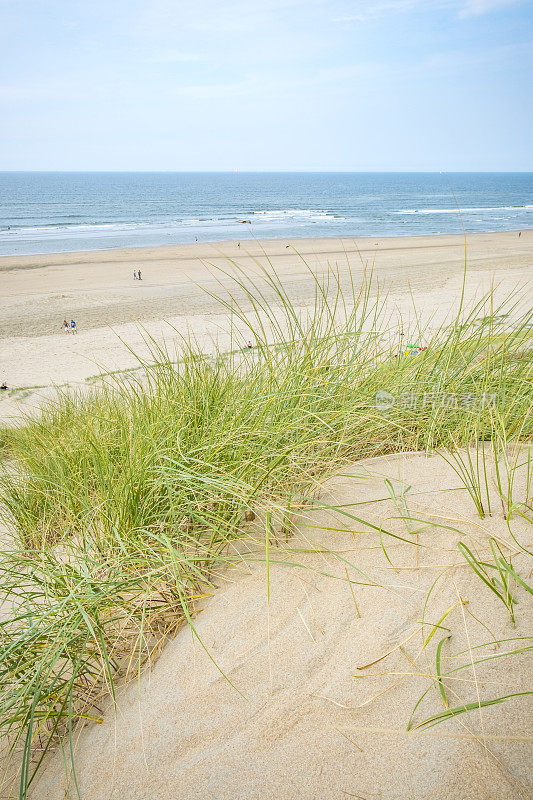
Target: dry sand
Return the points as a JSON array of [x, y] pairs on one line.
[[97, 289], [328, 687]]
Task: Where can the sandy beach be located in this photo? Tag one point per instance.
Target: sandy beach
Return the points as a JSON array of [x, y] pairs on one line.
[[111, 309], [266, 401]]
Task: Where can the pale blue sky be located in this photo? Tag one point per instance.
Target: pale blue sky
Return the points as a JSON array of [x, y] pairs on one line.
[[272, 85]]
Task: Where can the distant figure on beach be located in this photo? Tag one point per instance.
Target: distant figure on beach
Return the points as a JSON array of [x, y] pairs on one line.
[[66, 326], [196, 238], [238, 244], [249, 345], [139, 274], [519, 234], [134, 275], [73, 326], [3, 387]]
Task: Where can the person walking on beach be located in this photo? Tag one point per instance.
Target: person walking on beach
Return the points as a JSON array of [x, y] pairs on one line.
[[139, 275], [66, 326], [73, 326], [134, 275]]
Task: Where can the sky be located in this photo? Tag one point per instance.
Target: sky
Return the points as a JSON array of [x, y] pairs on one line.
[[341, 85]]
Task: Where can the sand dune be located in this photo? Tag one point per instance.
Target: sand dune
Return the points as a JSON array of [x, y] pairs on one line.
[[306, 719]]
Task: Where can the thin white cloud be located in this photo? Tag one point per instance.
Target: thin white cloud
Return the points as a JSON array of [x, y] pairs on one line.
[[347, 72], [174, 57], [475, 8], [217, 90], [464, 8], [368, 11]]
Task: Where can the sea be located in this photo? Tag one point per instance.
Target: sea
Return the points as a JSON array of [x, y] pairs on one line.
[[50, 212]]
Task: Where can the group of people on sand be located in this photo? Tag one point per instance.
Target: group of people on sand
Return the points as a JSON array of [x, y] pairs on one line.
[[69, 327], [137, 275]]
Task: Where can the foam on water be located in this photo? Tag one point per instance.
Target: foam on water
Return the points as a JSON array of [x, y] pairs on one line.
[[464, 210]]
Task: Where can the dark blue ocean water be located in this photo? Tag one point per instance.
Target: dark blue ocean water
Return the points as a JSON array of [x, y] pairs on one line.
[[57, 212]]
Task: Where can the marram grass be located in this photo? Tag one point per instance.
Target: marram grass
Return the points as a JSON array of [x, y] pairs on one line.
[[123, 503]]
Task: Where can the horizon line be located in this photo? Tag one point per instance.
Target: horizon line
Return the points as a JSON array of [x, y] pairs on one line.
[[266, 172]]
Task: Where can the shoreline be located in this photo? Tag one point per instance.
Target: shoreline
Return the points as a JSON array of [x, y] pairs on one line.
[[123, 253]]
